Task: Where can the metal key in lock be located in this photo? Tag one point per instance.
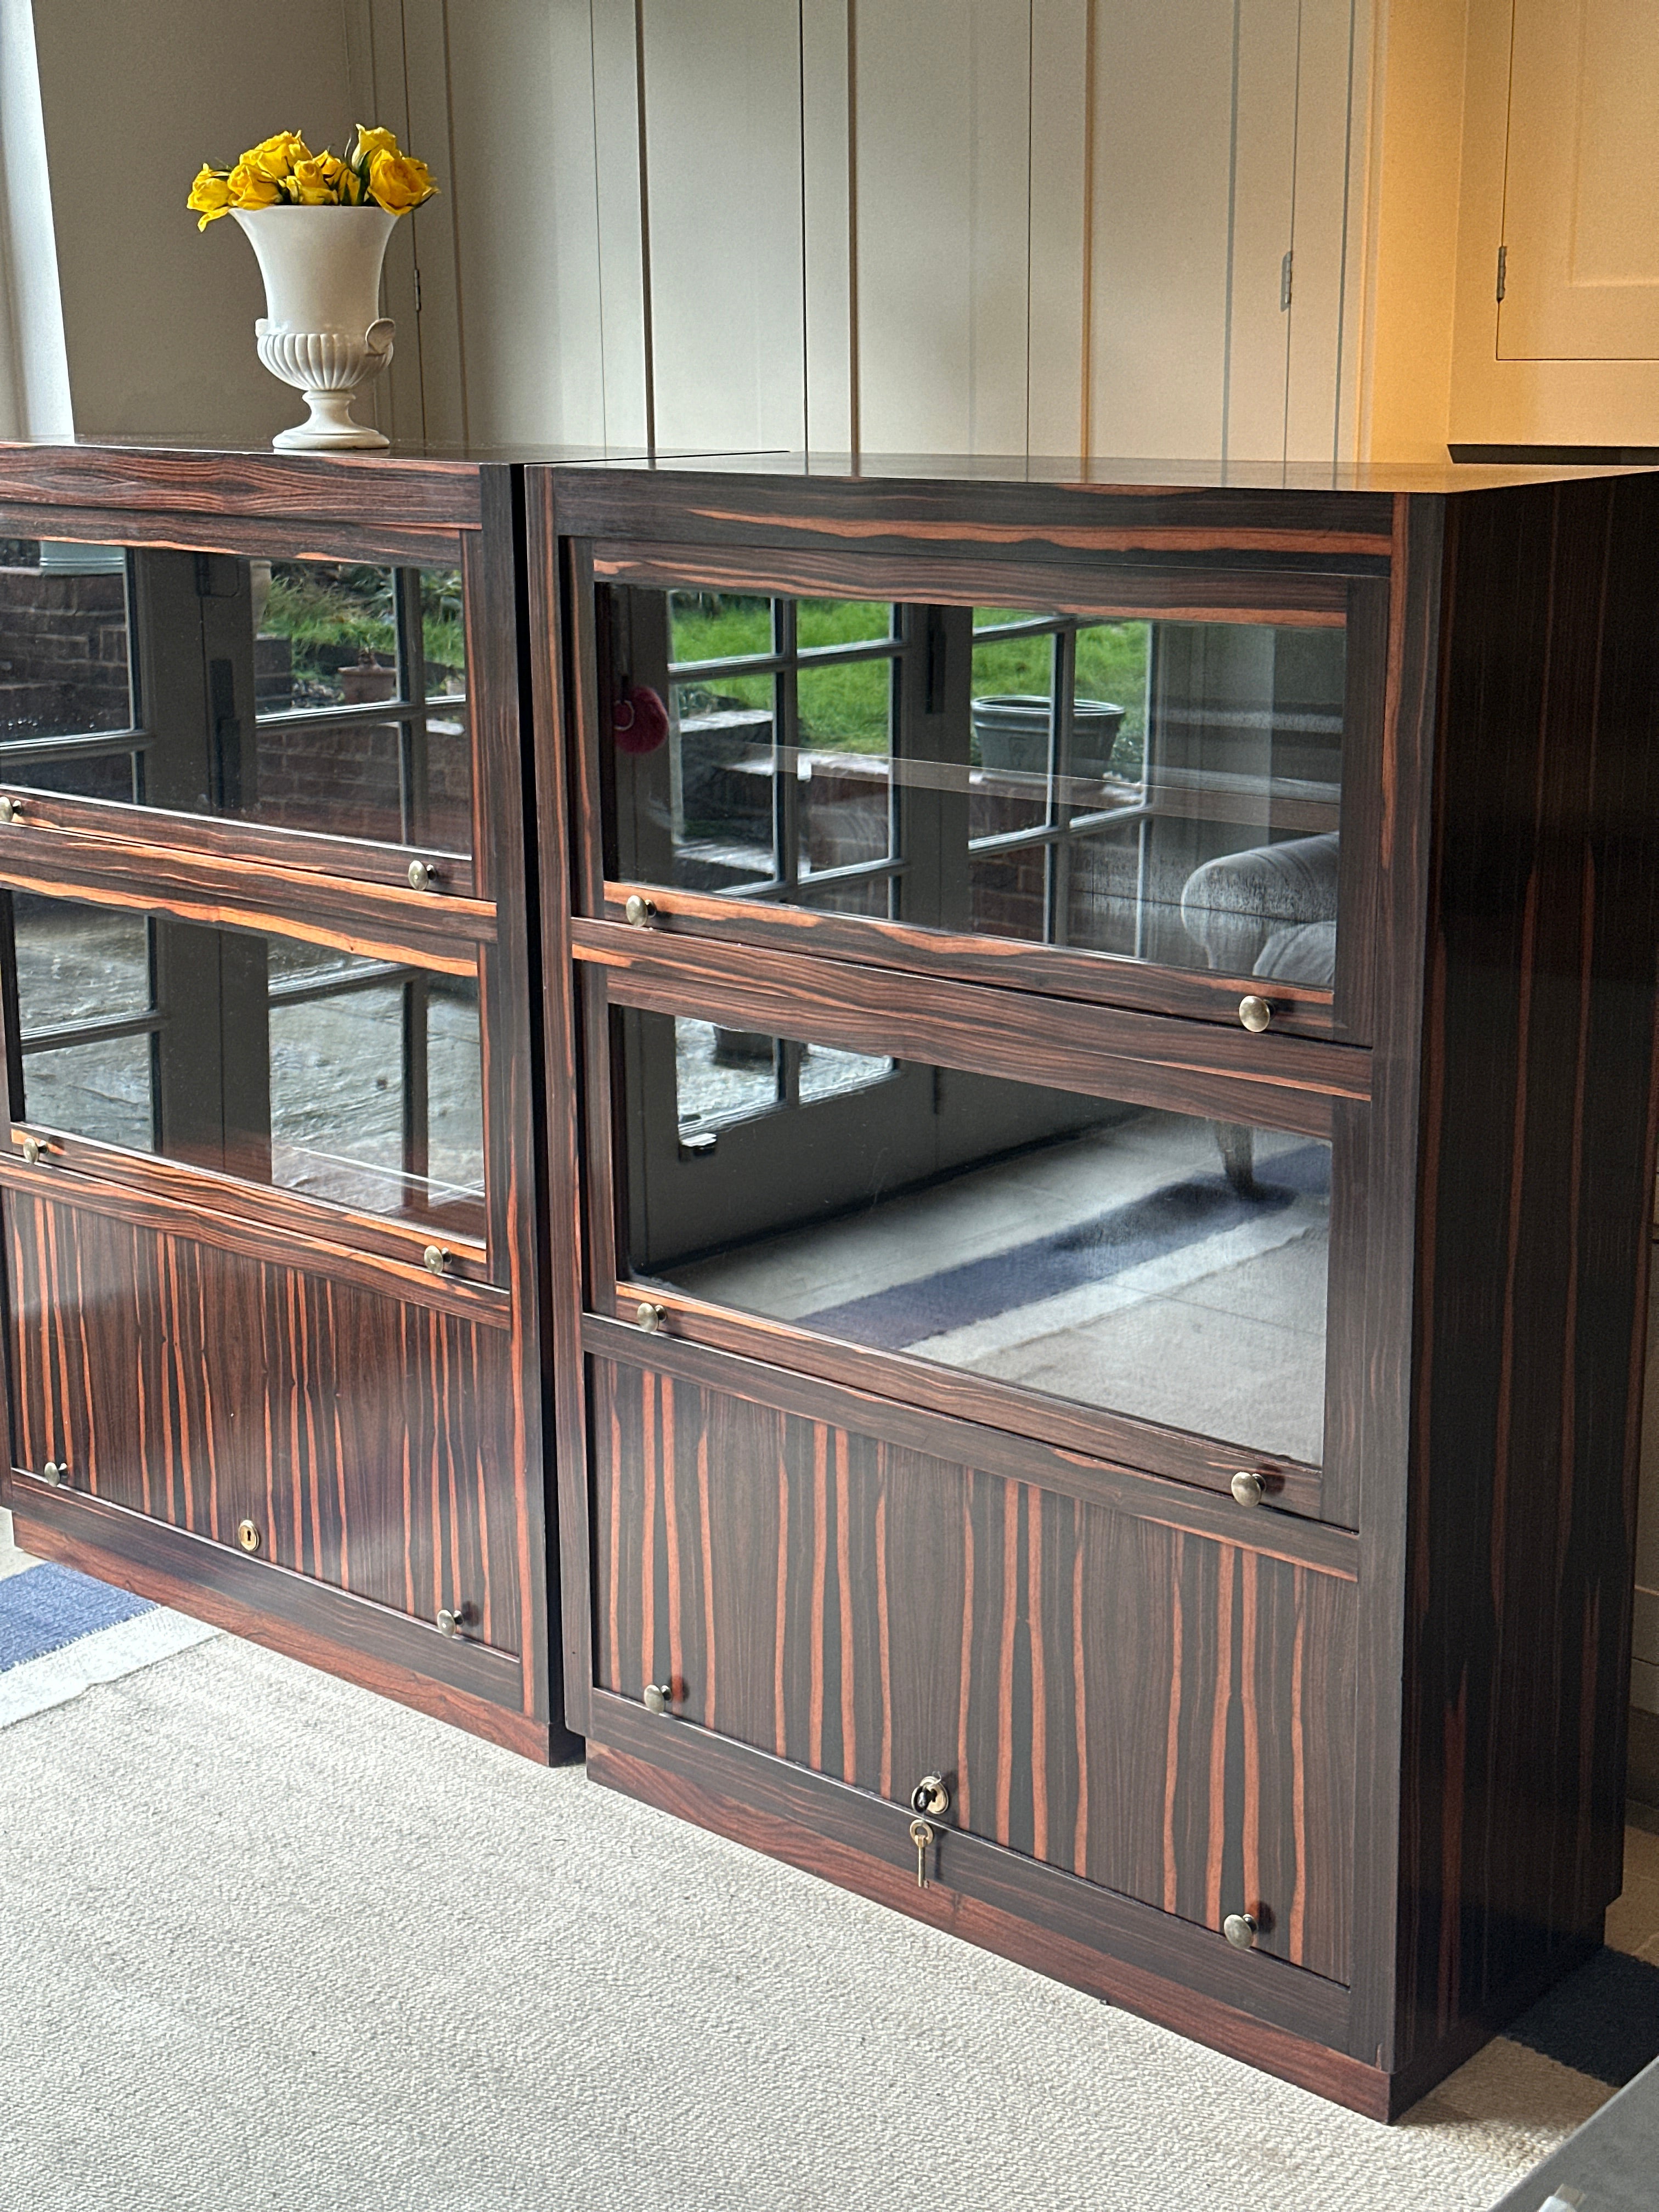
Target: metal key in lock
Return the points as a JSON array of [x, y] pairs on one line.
[[924, 1838]]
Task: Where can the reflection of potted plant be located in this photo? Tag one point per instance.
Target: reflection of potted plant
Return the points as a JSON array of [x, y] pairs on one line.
[[1012, 733], [319, 225]]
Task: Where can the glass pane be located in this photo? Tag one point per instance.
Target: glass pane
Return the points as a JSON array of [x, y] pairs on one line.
[[707, 798], [77, 963], [63, 648], [722, 1075], [101, 1090], [302, 694], [841, 621], [843, 773], [1146, 1262], [1160, 791], [718, 626], [826, 1074], [319, 1070]]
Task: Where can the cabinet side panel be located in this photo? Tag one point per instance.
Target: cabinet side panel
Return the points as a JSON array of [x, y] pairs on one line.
[[1538, 1046]]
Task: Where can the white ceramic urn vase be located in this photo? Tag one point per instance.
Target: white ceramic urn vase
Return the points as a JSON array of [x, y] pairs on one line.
[[322, 330]]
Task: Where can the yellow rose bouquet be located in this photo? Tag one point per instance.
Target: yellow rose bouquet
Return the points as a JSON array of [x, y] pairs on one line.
[[284, 172]]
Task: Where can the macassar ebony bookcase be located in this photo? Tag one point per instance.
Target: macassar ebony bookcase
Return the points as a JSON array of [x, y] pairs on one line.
[[267, 1182], [1115, 1019]]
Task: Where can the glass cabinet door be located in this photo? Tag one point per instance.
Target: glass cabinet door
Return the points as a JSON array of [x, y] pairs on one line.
[[1165, 791], [1144, 1263], [353, 1081], [320, 696]]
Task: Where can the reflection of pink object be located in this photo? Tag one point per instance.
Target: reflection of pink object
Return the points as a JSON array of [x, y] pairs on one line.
[[639, 721]]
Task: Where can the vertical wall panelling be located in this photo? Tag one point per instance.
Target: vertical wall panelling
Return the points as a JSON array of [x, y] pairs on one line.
[[625, 304], [435, 235], [722, 84], [828, 29], [379, 63], [1262, 197], [943, 151], [1327, 94], [1163, 129], [1059, 186]]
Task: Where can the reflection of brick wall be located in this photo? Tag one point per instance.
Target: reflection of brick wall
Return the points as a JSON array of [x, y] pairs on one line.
[[346, 782], [62, 652]]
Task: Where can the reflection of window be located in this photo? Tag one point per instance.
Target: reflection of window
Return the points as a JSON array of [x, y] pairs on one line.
[[725, 1075], [354, 1080], [318, 695]]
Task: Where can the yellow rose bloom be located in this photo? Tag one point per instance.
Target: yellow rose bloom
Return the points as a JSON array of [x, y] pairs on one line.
[[370, 142], [275, 157], [399, 182], [314, 181], [210, 196], [251, 188]]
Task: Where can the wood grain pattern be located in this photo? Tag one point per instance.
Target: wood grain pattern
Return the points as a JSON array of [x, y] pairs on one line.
[[360, 491], [983, 507], [364, 1439], [1198, 1067], [1293, 592], [1209, 1688], [1538, 1051]]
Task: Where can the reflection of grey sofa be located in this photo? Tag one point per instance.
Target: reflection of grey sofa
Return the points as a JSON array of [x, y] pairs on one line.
[[1268, 911]]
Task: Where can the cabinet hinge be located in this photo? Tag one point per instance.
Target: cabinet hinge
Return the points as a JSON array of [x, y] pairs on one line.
[[1503, 272], [1285, 284]]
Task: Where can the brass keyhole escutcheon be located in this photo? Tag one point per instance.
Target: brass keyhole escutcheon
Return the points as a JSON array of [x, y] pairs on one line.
[[248, 1536], [1240, 1930], [931, 1794], [1255, 1014]]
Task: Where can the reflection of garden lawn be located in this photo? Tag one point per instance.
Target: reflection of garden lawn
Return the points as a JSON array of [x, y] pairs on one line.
[[846, 708]]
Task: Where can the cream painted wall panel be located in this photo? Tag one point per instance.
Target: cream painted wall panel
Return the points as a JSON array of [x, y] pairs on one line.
[[1581, 215], [1061, 149], [828, 186], [723, 141], [1260, 225], [379, 70], [1163, 121], [1329, 100], [528, 293], [159, 321], [624, 262], [942, 152], [432, 34]]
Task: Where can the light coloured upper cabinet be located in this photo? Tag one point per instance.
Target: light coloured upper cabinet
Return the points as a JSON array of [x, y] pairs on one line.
[[1581, 196]]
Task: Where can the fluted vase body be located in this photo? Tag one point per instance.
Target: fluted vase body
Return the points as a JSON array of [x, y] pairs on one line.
[[322, 330]]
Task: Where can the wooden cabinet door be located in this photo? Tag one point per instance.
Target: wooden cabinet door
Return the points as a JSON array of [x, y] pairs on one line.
[[1165, 1714], [365, 1438], [1581, 197]]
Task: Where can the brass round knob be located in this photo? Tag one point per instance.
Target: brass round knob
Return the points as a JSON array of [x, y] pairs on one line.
[[434, 1260], [1255, 1014], [931, 1794], [649, 1317], [1240, 1930], [32, 1149], [641, 912], [423, 876], [451, 1619], [10, 808], [1247, 1487], [658, 1697], [53, 1474], [248, 1536]]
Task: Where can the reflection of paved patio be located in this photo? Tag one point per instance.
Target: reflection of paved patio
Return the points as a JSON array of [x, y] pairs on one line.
[[335, 1065]]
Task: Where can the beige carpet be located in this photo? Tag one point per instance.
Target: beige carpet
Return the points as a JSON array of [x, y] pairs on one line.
[[271, 1942]]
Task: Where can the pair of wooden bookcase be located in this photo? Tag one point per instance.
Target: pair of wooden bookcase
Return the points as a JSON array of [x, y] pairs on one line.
[[952, 1159]]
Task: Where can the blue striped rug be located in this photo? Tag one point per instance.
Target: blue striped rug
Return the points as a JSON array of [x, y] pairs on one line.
[[61, 1630]]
